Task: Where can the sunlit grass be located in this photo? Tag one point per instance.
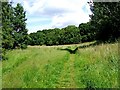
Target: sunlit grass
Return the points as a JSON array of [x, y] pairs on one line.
[[98, 66], [35, 68], [49, 67]]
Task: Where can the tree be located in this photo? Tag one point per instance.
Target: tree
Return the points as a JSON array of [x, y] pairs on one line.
[[106, 20], [87, 32], [19, 26], [7, 25], [56, 36], [14, 32]]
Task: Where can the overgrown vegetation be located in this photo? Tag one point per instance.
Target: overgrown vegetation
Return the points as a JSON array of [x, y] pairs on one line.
[[47, 67], [86, 66]]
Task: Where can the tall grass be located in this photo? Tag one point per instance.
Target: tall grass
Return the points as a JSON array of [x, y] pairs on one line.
[[34, 67], [97, 66], [49, 67]]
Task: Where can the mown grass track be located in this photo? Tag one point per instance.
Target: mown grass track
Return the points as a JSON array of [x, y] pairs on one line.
[[66, 80]]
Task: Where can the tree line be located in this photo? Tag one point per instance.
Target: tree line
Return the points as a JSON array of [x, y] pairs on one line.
[[103, 26], [68, 35]]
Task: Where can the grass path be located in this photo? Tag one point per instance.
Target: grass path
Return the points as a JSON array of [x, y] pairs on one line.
[[67, 77]]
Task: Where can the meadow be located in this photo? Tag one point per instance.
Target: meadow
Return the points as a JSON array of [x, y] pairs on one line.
[[49, 67]]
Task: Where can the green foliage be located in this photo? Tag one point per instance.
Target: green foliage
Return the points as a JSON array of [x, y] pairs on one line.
[[19, 26], [67, 35], [7, 29], [106, 20], [3, 54], [14, 32], [87, 32], [23, 46]]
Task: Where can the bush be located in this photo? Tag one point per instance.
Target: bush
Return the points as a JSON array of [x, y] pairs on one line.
[[23, 46], [3, 54]]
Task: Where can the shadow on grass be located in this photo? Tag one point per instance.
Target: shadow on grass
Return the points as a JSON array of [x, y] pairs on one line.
[[71, 51], [75, 49], [92, 44]]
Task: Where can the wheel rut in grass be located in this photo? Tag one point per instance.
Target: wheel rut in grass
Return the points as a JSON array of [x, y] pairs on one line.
[[67, 78]]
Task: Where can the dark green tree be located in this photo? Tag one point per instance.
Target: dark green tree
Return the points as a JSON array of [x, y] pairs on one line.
[[67, 35], [19, 26], [7, 26], [106, 20], [14, 32], [87, 32]]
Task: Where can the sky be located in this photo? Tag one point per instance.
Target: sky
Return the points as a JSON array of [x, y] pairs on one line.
[[48, 14]]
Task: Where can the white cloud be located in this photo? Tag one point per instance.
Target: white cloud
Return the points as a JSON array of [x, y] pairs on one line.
[[37, 5], [60, 12], [69, 18]]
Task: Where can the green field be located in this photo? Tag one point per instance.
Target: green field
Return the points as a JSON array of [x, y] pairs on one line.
[[49, 67]]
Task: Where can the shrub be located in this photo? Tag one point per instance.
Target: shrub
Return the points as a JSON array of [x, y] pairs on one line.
[[3, 54], [23, 46]]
